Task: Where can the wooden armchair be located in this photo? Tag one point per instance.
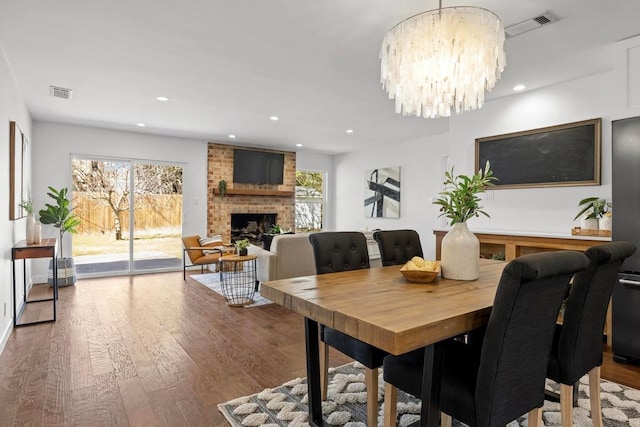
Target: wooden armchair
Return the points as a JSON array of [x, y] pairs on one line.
[[195, 252]]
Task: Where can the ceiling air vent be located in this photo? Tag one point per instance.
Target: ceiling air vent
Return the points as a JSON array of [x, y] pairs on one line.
[[60, 92], [545, 18]]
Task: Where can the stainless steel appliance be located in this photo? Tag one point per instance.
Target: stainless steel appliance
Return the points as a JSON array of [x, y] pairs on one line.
[[626, 226]]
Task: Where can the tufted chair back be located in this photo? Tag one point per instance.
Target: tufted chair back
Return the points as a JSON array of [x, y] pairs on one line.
[[398, 246], [339, 251]]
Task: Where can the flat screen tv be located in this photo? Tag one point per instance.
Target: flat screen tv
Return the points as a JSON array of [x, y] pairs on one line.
[[257, 167]]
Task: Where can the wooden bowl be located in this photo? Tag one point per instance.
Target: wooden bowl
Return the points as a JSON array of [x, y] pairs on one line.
[[420, 276]]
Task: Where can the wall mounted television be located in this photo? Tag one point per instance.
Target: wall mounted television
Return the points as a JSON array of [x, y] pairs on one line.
[[257, 167]]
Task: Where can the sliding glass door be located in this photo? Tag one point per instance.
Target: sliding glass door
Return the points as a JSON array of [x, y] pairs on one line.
[[131, 214]]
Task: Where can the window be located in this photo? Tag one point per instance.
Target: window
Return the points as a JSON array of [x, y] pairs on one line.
[[309, 201]]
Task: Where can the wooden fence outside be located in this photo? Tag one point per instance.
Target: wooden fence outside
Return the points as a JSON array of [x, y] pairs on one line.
[[152, 212]]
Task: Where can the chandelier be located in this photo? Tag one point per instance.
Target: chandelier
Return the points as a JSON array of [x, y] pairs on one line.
[[442, 60]]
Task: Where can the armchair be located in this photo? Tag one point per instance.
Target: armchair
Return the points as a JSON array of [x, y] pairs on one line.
[[193, 250]]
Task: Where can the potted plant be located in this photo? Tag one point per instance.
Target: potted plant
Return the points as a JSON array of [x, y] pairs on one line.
[[61, 216], [460, 202], [241, 246], [222, 188], [592, 210], [275, 229]]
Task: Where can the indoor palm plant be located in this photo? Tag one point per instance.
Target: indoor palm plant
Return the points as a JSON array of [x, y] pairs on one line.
[[60, 215], [460, 202]]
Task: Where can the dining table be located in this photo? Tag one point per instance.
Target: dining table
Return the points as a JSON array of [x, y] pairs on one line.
[[380, 307]]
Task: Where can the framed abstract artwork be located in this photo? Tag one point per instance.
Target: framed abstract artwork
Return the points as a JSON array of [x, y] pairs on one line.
[[382, 193]]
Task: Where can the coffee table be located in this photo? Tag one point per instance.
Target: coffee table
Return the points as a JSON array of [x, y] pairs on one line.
[[239, 279]]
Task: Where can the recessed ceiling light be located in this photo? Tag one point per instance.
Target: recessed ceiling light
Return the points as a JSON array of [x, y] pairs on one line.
[[349, 131], [274, 118], [141, 125], [519, 87], [162, 98], [232, 136], [298, 145]]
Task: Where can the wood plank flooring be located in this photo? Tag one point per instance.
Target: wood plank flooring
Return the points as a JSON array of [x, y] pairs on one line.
[[154, 350]]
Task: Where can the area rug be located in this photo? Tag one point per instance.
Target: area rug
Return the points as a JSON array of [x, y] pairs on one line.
[[212, 281], [286, 405]]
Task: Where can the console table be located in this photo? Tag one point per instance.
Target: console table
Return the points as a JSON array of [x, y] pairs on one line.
[[47, 248], [514, 244]]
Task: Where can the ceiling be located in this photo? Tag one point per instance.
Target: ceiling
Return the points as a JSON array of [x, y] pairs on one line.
[[227, 66]]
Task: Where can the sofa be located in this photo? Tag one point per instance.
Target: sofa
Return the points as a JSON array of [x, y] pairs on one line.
[[290, 255]]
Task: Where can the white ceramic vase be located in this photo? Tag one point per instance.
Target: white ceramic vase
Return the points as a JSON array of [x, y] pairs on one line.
[[589, 224], [604, 223], [460, 254], [31, 229]]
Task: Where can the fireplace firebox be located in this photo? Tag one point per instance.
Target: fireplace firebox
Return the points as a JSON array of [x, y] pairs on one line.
[[251, 226]]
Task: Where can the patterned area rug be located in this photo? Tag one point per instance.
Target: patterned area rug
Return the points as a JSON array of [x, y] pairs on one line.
[[346, 405], [212, 281]]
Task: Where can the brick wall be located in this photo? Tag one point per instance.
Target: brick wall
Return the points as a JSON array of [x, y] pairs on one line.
[[220, 166]]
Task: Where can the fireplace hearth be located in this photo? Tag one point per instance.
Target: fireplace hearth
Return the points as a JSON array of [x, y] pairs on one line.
[[251, 226]]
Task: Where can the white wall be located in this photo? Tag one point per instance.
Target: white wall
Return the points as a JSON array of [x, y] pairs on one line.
[[542, 210], [54, 145], [12, 108], [421, 169]]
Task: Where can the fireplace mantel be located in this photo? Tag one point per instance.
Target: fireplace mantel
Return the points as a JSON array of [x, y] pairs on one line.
[[254, 192]]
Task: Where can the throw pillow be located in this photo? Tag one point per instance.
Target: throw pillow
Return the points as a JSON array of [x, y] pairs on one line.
[[213, 242]]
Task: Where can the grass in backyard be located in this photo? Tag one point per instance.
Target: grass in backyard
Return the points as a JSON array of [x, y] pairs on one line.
[[165, 245]]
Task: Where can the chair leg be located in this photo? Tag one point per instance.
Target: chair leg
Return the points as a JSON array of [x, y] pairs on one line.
[[535, 417], [371, 380], [445, 420], [324, 369], [390, 404], [594, 393], [566, 405]]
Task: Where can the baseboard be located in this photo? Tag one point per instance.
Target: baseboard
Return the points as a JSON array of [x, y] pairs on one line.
[[5, 336]]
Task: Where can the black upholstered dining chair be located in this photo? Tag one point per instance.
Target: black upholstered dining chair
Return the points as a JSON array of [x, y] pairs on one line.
[[496, 380], [345, 251], [398, 246], [577, 343]]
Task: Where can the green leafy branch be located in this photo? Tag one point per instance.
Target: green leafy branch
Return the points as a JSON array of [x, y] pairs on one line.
[[460, 202]]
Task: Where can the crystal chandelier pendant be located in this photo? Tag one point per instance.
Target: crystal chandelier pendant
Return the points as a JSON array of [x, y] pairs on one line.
[[442, 60]]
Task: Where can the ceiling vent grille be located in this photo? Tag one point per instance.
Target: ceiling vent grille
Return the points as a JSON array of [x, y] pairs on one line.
[[60, 92], [536, 22]]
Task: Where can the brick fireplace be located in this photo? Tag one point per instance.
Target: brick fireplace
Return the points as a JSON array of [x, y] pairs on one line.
[[251, 226], [251, 199]]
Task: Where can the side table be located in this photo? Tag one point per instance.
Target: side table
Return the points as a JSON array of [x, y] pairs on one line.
[[239, 279], [47, 248]]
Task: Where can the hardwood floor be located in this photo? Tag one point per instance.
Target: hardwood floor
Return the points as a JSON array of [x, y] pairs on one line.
[[154, 350]]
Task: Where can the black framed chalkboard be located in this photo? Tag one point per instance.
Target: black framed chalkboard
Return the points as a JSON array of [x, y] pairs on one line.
[[563, 155]]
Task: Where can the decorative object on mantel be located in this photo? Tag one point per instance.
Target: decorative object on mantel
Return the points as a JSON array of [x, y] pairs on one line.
[[61, 216], [442, 60], [222, 188], [593, 209], [460, 202]]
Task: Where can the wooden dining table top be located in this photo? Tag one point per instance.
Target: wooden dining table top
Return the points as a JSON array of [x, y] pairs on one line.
[[380, 307]]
